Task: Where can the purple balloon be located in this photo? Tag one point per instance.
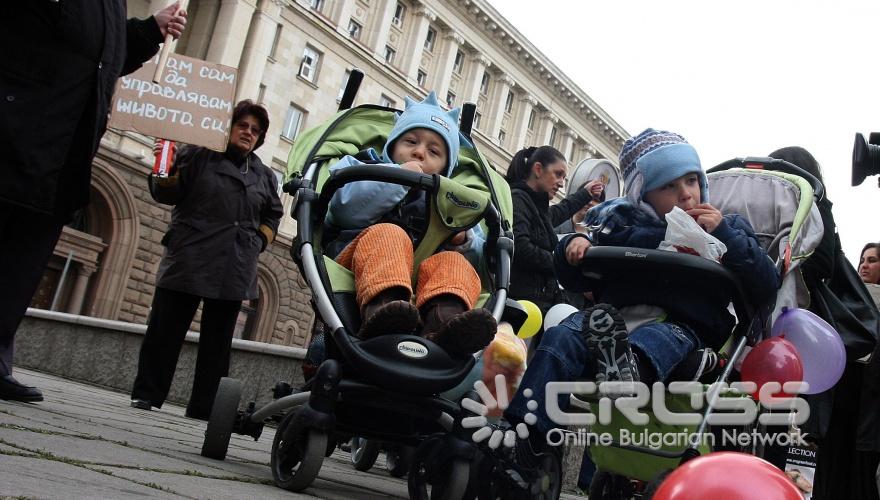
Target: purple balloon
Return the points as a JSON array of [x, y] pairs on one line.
[[819, 345]]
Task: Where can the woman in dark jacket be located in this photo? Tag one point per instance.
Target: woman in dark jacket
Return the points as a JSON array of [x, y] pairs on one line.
[[845, 419], [226, 210], [535, 175]]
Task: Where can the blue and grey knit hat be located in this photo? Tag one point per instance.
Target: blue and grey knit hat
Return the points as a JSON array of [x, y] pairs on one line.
[[428, 114], [654, 158]]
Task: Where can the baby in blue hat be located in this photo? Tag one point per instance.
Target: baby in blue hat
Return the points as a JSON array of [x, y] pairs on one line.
[[371, 227]]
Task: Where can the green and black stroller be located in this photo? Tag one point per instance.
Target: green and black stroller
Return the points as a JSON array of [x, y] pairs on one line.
[[387, 388], [778, 199]]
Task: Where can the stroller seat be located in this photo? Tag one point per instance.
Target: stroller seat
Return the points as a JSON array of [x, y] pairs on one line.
[[780, 207]]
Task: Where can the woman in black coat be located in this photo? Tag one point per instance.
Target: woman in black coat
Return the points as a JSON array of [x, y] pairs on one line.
[[226, 210], [536, 175]]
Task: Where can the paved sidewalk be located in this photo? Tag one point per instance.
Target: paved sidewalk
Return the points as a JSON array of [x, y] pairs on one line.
[[87, 442]]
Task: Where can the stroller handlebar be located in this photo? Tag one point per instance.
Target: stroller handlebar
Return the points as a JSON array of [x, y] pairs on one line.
[[626, 264]]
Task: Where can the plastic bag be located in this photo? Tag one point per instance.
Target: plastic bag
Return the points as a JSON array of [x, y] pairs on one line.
[[684, 235]]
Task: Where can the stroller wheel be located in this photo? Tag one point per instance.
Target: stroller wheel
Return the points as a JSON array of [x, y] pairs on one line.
[[433, 478], [297, 455], [364, 453], [222, 419], [610, 486], [398, 459]]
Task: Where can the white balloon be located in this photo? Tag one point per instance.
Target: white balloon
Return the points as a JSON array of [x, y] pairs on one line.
[[558, 313]]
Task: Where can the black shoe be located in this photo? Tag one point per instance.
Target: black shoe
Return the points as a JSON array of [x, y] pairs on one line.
[[141, 404], [13, 390], [608, 341], [703, 365]]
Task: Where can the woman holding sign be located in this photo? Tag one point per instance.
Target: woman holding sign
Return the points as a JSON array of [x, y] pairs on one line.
[[226, 211]]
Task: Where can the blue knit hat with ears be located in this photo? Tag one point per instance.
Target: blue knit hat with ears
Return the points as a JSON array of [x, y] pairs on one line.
[[429, 115]]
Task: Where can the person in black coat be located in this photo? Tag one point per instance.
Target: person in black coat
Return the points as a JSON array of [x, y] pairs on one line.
[[226, 211], [536, 175], [845, 420], [59, 67]]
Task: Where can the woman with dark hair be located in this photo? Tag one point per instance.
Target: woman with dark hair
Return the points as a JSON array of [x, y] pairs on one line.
[[536, 175], [226, 211], [869, 264]]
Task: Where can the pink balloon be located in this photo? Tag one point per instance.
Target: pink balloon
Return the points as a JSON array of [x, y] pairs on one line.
[[820, 347], [727, 476]]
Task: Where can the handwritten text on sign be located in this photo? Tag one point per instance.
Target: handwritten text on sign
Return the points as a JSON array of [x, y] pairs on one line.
[[192, 103]]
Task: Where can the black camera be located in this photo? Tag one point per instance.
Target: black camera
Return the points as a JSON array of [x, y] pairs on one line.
[[866, 157]]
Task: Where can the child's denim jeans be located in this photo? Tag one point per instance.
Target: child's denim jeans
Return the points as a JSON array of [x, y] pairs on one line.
[[563, 356]]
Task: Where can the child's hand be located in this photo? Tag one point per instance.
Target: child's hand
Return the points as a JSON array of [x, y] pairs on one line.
[[576, 250], [414, 165], [707, 216], [459, 238]]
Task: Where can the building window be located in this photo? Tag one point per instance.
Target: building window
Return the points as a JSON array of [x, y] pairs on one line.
[[399, 12], [484, 83], [553, 136], [387, 101], [508, 103], [429, 39], [308, 68], [459, 62], [450, 99], [354, 29], [501, 136], [275, 42], [477, 119], [389, 54], [261, 94], [531, 123], [345, 78], [293, 122], [245, 325], [316, 4], [422, 78]]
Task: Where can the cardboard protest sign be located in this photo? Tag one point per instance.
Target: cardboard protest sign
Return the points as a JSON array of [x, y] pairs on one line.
[[192, 103]]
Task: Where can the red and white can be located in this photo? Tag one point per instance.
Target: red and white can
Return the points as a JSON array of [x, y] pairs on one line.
[[165, 158]]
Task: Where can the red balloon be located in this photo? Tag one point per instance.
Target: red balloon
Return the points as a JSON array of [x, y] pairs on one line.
[[727, 476], [772, 360]]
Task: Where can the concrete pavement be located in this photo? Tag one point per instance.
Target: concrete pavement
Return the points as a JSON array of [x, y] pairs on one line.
[[87, 442]]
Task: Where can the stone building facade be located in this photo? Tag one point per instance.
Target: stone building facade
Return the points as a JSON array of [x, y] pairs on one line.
[[294, 56]]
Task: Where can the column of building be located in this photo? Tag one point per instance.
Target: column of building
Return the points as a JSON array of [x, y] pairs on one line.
[[548, 121], [568, 137], [341, 14], [423, 17], [257, 49], [230, 33], [452, 42], [380, 27], [479, 64], [80, 286], [504, 86], [521, 122]]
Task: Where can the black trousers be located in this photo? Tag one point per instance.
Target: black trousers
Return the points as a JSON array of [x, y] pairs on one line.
[[27, 240], [170, 318]]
